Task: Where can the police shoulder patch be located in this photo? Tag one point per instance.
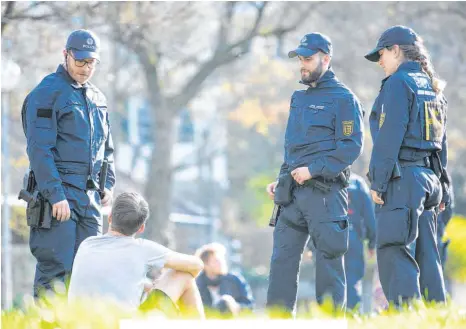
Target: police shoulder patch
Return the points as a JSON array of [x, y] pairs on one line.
[[348, 127], [382, 119]]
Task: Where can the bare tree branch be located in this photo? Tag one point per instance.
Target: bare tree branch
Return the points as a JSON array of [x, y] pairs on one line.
[[253, 32], [231, 53], [10, 5], [225, 26], [220, 57], [280, 31]]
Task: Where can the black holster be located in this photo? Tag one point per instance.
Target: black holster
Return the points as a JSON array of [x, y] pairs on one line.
[[436, 164], [283, 190], [39, 213], [396, 173], [344, 177], [437, 167], [274, 216], [39, 210]]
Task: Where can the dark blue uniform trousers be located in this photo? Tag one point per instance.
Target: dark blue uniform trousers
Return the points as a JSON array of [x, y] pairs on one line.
[[55, 248], [407, 254], [354, 268], [324, 217], [443, 219]]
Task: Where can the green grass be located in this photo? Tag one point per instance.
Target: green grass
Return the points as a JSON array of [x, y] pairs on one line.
[[56, 313], [456, 261]]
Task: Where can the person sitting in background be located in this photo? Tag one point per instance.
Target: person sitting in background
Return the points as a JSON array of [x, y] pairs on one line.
[[114, 266], [221, 290]]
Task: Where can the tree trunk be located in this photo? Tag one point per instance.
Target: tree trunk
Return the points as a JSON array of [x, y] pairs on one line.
[[159, 183], [158, 188]]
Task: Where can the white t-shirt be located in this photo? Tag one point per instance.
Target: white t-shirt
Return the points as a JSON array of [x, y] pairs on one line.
[[114, 267]]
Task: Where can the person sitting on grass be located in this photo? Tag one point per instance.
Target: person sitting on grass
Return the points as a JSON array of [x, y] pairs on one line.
[[223, 292], [114, 266]]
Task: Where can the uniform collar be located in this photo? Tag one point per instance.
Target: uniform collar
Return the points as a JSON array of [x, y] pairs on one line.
[[409, 66], [327, 79], [64, 73], [383, 82], [405, 66]]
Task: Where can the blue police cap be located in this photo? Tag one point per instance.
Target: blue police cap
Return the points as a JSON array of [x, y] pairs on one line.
[[84, 43], [310, 44], [396, 35]]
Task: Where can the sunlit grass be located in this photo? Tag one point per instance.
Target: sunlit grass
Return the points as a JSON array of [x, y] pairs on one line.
[[55, 312]]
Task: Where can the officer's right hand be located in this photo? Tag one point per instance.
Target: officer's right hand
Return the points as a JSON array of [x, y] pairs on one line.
[[61, 210], [271, 189], [442, 206], [376, 197]]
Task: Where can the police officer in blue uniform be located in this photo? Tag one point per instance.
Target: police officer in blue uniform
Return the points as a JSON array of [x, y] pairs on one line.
[[68, 138], [407, 169], [362, 227], [323, 138]]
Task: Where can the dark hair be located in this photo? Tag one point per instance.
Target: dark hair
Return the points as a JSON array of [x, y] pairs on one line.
[[129, 212], [419, 53]]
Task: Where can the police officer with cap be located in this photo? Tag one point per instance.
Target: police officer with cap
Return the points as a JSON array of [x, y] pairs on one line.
[[323, 138], [68, 135], [407, 170]]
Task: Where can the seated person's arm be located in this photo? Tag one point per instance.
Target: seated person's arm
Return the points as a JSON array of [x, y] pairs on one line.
[[184, 263], [245, 300]]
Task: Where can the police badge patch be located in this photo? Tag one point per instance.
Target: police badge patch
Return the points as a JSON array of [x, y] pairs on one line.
[[348, 127]]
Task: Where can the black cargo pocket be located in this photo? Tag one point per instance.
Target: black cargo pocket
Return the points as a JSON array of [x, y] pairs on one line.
[[393, 227], [331, 236]]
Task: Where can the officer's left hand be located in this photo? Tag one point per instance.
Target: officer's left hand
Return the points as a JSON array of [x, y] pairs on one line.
[[377, 197], [301, 174], [107, 199]]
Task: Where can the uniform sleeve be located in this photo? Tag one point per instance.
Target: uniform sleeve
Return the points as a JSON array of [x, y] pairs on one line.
[[348, 139], [245, 299], [41, 134], [110, 181], [284, 167], [388, 142], [368, 214]]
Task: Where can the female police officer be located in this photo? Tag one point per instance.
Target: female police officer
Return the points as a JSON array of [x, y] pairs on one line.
[[408, 167]]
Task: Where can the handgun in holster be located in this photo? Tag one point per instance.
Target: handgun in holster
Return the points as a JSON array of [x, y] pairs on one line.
[[39, 210], [396, 173], [436, 164], [437, 167], [344, 177], [103, 178], [283, 190], [274, 217]]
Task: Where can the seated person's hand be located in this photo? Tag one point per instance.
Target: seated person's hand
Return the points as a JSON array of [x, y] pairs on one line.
[[232, 304], [148, 285]]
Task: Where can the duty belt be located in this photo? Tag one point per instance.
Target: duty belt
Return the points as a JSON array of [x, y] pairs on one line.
[[423, 162]]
